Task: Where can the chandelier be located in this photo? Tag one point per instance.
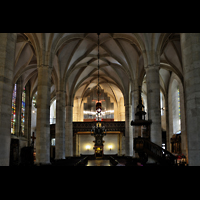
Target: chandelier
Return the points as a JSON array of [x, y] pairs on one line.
[[98, 131]]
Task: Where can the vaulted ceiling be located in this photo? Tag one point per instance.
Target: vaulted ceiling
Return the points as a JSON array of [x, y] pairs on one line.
[[74, 60]]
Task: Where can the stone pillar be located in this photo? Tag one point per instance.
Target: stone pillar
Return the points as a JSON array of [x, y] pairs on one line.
[[190, 46], [43, 115], [153, 102], [28, 106], [60, 125], [77, 144], [122, 140], [121, 110], [128, 131], [80, 113], [121, 145], [184, 139], [135, 102], [68, 132], [7, 59], [167, 123]]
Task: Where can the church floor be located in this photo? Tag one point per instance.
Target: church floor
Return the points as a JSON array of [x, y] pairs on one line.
[[98, 163]]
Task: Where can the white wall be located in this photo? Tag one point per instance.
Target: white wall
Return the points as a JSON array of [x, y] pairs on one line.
[[84, 141], [111, 140]]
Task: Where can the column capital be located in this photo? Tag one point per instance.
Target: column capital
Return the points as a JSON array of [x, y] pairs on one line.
[[152, 66], [134, 90], [60, 91], [44, 66], [67, 106]]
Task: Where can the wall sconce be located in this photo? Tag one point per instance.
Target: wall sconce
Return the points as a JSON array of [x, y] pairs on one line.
[[88, 147], [110, 147]]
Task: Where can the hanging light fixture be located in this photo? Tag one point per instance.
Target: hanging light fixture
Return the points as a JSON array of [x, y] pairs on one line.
[[98, 104], [98, 131]]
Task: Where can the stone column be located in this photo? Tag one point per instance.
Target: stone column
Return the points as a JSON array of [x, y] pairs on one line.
[[43, 115], [68, 132], [77, 144], [184, 139], [135, 101], [28, 105], [7, 59], [121, 110], [167, 123], [153, 102], [60, 125], [190, 46], [79, 109], [128, 131], [76, 110]]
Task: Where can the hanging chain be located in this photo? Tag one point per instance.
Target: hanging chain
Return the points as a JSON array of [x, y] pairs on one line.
[[98, 74], [98, 67]]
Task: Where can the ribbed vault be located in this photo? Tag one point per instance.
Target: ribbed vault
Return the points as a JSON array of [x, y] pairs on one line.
[[73, 59]]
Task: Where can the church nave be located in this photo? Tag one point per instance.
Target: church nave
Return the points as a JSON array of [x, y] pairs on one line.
[[65, 97]]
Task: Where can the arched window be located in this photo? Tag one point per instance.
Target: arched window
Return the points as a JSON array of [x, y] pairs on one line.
[[13, 117], [179, 107], [23, 112], [53, 142], [162, 104], [176, 113], [34, 113], [53, 112]]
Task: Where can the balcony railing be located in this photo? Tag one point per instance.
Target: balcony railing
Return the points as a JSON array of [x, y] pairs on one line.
[[143, 145], [109, 126], [87, 126]]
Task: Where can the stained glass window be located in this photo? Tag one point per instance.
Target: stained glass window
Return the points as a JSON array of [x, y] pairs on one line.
[[179, 108], [34, 100], [13, 117], [179, 111], [161, 104], [23, 112]]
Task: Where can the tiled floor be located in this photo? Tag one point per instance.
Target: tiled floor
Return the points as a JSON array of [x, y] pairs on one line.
[[98, 163]]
